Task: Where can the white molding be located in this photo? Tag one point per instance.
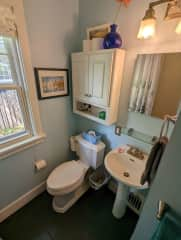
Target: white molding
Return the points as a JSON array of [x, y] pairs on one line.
[[22, 201], [21, 146], [27, 63], [30, 88]]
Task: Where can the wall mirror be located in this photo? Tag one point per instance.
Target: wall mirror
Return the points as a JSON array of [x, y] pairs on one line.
[[156, 84]]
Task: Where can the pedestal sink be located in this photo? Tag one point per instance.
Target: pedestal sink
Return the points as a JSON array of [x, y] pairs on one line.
[[127, 170]]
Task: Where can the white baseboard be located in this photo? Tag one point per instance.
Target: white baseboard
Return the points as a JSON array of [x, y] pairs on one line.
[[22, 201]]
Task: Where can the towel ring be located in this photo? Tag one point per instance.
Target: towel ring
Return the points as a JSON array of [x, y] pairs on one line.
[[166, 121]]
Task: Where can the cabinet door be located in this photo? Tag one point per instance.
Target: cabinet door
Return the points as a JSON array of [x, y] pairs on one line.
[[100, 70], [80, 76]]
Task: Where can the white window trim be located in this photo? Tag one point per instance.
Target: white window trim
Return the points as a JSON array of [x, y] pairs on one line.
[[21, 146], [40, 136]]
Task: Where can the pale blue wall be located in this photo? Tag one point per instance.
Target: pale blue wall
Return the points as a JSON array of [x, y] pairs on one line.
[[111, 140], [166, 187], [52, 28], [167, 184], [53, 32], [99, 12]]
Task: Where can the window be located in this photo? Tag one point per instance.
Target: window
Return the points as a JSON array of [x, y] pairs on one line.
[[20, 125], [15, 120]]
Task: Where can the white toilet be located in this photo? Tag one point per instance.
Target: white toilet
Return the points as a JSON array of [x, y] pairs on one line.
[[67, 182]]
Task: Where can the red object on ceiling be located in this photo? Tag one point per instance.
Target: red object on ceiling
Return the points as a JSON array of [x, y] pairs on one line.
[[126, 2]]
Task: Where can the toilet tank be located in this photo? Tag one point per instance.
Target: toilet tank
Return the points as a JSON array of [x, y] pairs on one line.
[[92, 155]]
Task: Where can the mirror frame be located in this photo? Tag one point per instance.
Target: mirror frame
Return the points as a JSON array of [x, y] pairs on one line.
[[131, 55], [133, 76]]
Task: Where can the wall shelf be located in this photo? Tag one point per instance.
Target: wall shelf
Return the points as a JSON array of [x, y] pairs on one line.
[[90, 111], [91, 117], [139, 135]]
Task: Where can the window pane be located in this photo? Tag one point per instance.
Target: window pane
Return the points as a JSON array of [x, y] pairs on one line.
[[5, 70], [2, 46], [11, 118]]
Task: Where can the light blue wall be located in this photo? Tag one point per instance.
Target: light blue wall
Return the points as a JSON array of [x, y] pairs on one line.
[[111, 140], [167, 184], [52, 28], [166, 187], [94, 13]]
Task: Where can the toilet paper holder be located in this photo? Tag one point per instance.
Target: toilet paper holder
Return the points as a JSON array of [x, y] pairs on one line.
[[40, 164]]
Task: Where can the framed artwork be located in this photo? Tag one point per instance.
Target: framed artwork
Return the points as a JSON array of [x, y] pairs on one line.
[[98, 31], [51, 82]]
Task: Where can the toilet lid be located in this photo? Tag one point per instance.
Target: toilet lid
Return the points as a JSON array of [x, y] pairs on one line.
[[65, 175]]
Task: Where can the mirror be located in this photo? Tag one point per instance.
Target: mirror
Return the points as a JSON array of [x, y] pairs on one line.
[[156, 86]]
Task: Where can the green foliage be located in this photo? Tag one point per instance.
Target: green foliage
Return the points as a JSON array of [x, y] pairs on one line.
[[9, 131]]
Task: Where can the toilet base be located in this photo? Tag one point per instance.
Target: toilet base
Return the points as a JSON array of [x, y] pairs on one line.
[[61, 204]]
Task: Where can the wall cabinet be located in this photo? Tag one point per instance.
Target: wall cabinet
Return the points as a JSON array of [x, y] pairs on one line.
[[97, 78]]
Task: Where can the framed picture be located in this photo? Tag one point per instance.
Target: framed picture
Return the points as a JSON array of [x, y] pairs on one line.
[[51, 82], [98, 31]]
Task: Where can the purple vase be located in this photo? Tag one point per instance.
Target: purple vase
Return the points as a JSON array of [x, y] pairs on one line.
[[112, 39]]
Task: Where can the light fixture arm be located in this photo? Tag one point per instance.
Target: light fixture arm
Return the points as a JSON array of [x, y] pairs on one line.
[[159, 2]]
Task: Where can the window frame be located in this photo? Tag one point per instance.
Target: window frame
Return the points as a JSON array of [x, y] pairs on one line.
[[29, 98]]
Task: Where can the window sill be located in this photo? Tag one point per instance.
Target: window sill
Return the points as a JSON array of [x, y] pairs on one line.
[[21, 146]]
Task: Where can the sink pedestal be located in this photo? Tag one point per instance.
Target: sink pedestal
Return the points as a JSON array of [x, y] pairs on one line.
[[119, 207]]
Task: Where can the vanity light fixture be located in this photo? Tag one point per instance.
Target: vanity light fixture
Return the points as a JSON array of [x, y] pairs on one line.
[[148, 24], [178, 28], [173, 10]]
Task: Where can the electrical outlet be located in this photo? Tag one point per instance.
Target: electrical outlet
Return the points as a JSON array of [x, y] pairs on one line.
[[118, 130]]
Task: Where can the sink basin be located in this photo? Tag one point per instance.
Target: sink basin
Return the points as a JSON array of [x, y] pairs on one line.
[[127, 170], [118, 164]]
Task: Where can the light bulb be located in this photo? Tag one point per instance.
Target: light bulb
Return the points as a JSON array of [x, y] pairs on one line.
[[147, 28], [178, 28]]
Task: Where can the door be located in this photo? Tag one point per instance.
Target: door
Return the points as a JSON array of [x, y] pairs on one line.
[[100, 71], [80, 76]]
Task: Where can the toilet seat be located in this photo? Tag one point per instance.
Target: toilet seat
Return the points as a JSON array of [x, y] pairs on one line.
[[66, 178]]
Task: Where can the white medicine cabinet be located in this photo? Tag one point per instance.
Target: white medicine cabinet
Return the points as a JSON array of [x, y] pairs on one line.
[[97, 78]]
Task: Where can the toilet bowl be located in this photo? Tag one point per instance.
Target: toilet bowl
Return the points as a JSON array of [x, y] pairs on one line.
[[67, 181], [66, 178]]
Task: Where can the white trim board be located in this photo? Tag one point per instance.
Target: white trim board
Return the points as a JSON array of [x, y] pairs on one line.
[[21, 201]]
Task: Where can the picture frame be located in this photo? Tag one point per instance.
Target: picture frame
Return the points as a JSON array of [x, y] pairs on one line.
[[99, 31], [51, 82]]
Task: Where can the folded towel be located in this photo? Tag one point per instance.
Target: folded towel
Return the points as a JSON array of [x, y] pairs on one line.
[[154, 161], [169, 228]]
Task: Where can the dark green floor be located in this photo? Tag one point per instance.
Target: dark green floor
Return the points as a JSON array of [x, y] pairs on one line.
[[89, 219]]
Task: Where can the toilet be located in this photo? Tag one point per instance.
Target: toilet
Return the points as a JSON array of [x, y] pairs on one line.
[[67, 182]]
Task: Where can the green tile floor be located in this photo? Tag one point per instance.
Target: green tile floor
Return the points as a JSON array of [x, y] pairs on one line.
[[89, 219]]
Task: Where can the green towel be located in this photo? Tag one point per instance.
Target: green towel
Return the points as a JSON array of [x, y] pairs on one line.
[[169, 228]]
